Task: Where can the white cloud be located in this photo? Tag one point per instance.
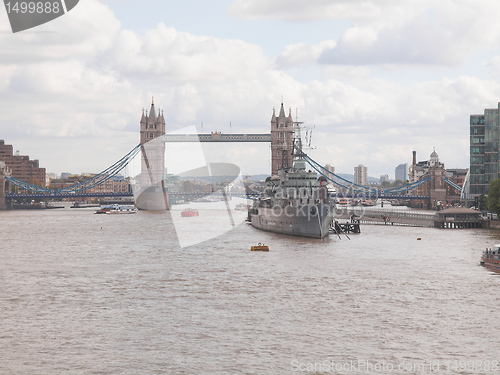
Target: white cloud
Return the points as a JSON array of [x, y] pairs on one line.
[[391, 32], [165, 53], [299, 10], [420, 42], [81, 34], [301, 53], [444, 33]]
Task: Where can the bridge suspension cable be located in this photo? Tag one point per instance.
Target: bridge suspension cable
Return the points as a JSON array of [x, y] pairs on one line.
[[86, 184], [452, 184], [361, 188], [105, 175]]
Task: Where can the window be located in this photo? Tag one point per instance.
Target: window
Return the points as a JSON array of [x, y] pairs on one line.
[[477, 120], [477, 140], [476, 150], [477, 130], [477, 159]]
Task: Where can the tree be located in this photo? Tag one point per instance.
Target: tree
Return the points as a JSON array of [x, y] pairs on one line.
[[494, 196], [482, 203]]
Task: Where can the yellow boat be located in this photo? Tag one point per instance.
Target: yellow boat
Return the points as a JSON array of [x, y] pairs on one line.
[[260, 247]]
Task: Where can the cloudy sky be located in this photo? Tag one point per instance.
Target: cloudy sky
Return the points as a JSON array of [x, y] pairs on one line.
[[376, 79]]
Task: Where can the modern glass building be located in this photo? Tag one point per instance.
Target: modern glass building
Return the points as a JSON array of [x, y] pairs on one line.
[[484, 150], [401, 172]]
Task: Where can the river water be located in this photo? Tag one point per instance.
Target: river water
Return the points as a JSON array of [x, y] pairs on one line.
[[116, 294]]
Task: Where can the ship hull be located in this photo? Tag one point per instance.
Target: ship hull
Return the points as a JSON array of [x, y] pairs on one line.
[[493, 264], [304, 221]]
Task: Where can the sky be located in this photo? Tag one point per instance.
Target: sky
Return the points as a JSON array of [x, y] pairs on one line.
[[373, 79]]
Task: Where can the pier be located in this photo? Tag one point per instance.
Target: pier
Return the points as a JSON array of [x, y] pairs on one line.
[[458, 218], [349, 227], [451, 218], [390, 217]]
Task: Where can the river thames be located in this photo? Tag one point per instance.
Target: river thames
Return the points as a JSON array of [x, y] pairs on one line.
[[116, 294]]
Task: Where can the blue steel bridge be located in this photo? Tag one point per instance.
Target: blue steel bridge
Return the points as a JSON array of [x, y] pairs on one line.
[[81, 189]]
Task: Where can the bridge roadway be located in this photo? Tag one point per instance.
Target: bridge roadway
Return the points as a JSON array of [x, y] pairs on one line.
[[66, 195], [173, 196], [216, 137]]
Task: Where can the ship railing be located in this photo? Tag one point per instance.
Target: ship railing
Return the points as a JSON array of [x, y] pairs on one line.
[[488, 254]]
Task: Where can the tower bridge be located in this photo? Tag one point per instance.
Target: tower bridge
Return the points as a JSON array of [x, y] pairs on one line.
[[281, 138]]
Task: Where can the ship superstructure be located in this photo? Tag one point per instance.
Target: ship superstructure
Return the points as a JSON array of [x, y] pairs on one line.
[[295, 201]]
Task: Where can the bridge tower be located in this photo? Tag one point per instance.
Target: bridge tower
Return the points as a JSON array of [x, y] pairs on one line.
[[281, 140], [153, 155]]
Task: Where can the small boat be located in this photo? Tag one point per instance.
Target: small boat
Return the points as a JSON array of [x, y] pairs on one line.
[[189, 212], [491, 258], [117, 209], [103, 210], [260, 247], [123, 209]]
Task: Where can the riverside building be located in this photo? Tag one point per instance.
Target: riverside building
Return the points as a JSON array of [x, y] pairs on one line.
[[21, 167], [484, 148]]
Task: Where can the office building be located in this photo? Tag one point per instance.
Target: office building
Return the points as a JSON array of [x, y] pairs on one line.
[[401, 172], [484, 148], [361, 175], [330, 168]]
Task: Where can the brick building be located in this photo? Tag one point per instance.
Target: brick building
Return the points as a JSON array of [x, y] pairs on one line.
[[21, 166], [115, 184]]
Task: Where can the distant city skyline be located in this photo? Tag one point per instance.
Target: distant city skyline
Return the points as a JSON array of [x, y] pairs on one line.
[[373, 82]]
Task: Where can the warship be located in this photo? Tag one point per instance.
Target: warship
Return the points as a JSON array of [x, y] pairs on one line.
[[295, 201]]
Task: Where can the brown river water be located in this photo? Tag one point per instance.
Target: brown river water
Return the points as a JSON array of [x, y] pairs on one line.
[[116, 294]]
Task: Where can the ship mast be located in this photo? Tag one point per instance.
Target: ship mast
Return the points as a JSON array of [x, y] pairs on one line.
[[298, 154]]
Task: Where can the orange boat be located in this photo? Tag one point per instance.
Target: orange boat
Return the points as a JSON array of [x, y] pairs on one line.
[[189, 212]]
